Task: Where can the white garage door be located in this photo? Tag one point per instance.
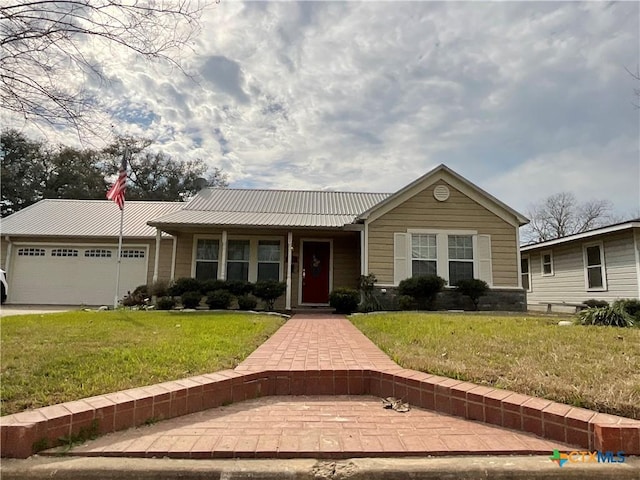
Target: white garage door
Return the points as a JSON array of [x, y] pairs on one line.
[[73, 275]]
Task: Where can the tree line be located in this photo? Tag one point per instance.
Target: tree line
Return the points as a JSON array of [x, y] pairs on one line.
[[31, 170]]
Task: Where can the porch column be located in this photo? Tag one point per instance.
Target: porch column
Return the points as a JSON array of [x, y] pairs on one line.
[[174, 251], [156, 263], [222, 270], [7, 260], [363, 268], [289, 253]]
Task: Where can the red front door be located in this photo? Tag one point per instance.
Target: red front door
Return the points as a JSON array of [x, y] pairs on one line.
[[315, 272]]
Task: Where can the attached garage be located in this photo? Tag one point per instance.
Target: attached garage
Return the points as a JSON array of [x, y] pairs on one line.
[[74, 274], [65, 252]]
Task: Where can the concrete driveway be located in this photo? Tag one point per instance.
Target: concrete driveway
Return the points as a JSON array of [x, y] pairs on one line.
[[7, 310]]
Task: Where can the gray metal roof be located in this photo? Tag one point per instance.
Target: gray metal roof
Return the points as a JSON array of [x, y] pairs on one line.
[[86, 218], [277, 208]]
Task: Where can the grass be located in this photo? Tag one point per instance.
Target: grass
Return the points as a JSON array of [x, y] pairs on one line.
[[591, 367], [48, 359]]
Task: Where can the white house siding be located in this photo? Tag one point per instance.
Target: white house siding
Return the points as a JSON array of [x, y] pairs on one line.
[[567, 284]]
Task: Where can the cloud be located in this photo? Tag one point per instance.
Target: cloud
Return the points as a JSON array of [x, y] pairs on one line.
[[523, 98], [225, 75]]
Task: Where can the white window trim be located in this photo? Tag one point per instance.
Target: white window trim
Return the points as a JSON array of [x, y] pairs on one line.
[[194, 252], [442, 250], [603, 267], [280, 259], [253, 254], [542, 254], [528, 259], [410, 257]]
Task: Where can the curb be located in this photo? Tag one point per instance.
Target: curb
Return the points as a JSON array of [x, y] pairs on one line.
[[518, 468]]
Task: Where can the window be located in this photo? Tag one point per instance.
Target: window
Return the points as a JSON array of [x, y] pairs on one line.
[[424, 255], [595, 270], [97, 253], [546, 259], [64, 252], [460, 258], [132, 254], [524, 267], [207, 251], [238, 260], [269, 260], [31, 252]]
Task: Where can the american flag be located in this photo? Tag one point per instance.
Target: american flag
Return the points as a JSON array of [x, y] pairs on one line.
[[116, 192]]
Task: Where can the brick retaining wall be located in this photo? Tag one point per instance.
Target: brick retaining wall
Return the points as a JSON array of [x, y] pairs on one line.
[[25, 433]]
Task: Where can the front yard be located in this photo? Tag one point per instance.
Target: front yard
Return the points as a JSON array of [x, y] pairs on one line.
[[591, 367], [48, 359]]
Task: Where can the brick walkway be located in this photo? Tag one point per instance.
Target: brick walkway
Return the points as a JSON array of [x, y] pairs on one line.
[[317, 342], [316, 426]]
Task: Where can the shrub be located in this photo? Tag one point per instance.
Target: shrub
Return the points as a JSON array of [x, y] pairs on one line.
[[158, 288], [594, 303], [191, 299], [219, 300], [138, 297], [474, 289], [370, 303], [423, 289], [212, 285], [631, 306], [268, 291], [247, 302], [406, 302], [238, 287], [165, 303], [184, 285], [613, 316], [344, 300]]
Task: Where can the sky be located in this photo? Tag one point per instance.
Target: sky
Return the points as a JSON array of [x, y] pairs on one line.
[[524, 99]]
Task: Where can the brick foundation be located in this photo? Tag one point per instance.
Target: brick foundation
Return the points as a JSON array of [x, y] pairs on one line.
[[497, 299]]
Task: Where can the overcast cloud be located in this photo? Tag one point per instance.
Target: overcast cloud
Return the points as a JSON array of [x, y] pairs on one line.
[[524, 99]]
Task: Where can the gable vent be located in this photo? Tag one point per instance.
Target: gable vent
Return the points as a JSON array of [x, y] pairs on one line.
[[441, 193]]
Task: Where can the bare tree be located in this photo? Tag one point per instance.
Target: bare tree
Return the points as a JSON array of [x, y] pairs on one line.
[[41, 44], [560, 215]]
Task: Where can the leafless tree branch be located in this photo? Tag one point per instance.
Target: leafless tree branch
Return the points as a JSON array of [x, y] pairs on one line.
[[41, 44], [560, 215]]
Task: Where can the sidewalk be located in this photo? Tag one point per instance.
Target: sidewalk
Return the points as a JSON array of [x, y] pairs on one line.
[[316, 426]]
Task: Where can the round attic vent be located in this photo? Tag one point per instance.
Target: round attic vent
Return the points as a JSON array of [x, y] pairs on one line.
[[441, 193]]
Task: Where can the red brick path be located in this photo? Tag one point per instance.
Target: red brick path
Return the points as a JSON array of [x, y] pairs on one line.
[[308, 358], [317, 427]]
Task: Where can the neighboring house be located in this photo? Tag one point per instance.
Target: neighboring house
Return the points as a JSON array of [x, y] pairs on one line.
[[64, 252], [315, 241], [603, 263]]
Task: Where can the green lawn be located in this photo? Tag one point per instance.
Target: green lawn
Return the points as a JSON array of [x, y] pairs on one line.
[[591, 367], [48, 359]]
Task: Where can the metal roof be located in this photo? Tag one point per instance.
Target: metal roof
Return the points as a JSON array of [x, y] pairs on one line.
[[277, 208], [86, 218], [616, 227]]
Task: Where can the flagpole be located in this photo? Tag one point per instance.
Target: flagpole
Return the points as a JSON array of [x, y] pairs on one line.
[[115, 298]]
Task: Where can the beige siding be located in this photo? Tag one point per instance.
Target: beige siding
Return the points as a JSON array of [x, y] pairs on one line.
[[459, 212], [567, 284], [164, 265], [346, 255]]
